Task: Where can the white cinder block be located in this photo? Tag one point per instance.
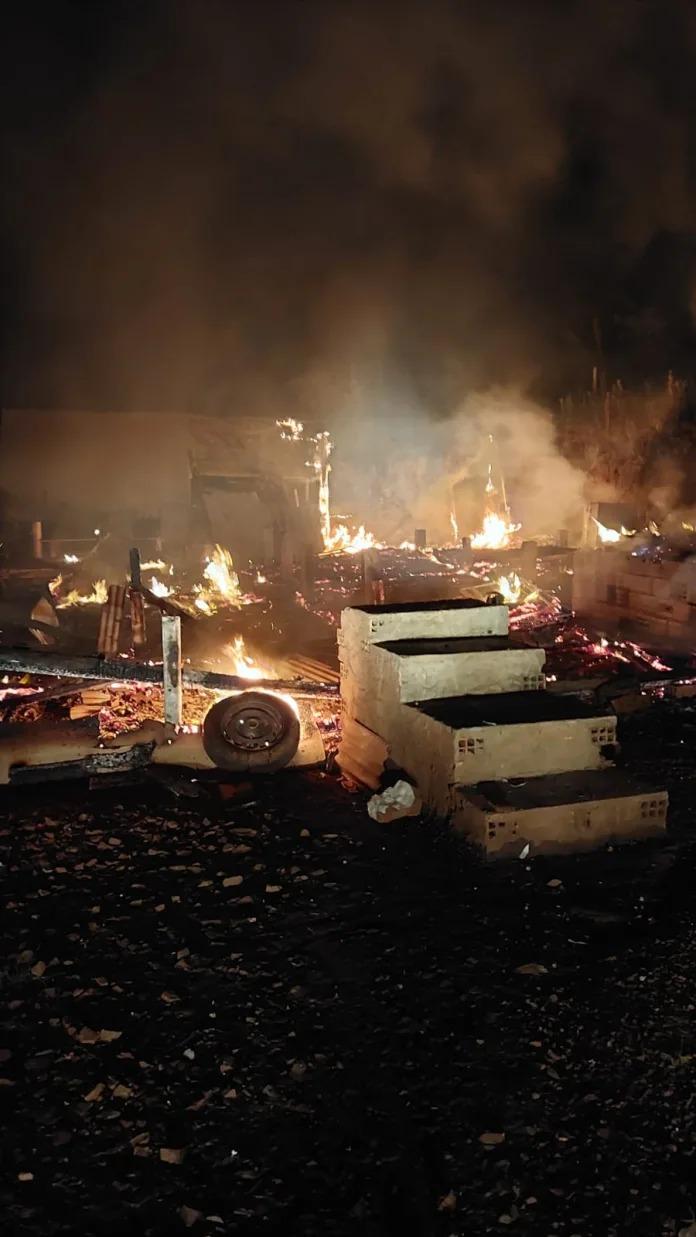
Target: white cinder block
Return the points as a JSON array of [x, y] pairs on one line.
[[576, 811], [460, 710], [464, 741], [418, 620]]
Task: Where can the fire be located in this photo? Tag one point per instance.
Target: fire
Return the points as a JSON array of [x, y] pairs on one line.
[[510, 588], [608, 536], [156, 564], [242, 663], [341, 541], [322, 467], [219, 571], [291, 429], [159, 588], [337, 538], [97, 597], [495, 534], [70, 558]]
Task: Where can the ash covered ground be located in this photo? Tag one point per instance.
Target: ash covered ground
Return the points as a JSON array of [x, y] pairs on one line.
[[268, 1015]]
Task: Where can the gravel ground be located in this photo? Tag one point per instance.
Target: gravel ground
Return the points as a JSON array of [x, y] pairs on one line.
[[271, 1016]]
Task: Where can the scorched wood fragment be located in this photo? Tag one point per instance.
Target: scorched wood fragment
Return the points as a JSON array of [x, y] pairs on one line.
[[25, 661]]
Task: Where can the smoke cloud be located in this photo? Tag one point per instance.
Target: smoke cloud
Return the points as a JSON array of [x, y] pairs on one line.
[[411, 473], [264, 209]]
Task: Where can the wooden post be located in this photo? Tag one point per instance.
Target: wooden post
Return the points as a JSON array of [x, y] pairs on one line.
[[37, 538], [137, 618], [528, 560], [171, 667], [111, 618], [372, 581], [136, 579]]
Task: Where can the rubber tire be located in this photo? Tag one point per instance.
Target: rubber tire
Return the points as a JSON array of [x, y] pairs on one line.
[[226, 755]]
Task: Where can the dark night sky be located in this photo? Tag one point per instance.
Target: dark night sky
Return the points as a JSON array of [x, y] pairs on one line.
[[259, 207]]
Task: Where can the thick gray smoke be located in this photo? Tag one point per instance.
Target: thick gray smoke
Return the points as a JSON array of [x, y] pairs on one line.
[[230, 208], [399, 474]]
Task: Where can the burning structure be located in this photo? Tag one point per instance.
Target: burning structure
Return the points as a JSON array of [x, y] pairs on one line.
[[472, 671]]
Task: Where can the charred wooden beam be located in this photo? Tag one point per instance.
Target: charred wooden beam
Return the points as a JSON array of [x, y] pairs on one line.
[[37, 539], [165, 605], [111, 619], [137, 618], [102, 763], [121, 670], [135, 575]]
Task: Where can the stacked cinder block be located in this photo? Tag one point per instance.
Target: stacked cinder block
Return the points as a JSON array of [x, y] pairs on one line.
[[613, 587], [461, 707]]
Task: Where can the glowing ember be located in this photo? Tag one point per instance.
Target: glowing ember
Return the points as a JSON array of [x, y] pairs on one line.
[[495, 534], [219, 571], [70, 558], [97, 597], [159, 588], [653, 528]]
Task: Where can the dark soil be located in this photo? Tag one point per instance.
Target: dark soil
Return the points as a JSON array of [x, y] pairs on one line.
[[319, 1048]]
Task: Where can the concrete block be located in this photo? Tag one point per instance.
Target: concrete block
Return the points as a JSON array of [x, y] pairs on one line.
[[430, 684], [420, 620], [442, 743], [377, 679], [576, 811]]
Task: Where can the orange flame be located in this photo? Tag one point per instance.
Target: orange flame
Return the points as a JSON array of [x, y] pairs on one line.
[[495, 534], [243, 663], [97, 597], [223, 583]]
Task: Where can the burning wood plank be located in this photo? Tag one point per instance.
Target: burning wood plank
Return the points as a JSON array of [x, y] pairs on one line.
[[26, 661]]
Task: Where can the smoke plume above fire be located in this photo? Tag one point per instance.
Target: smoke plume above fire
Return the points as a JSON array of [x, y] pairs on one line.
[[225, 208], [496, 456]]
